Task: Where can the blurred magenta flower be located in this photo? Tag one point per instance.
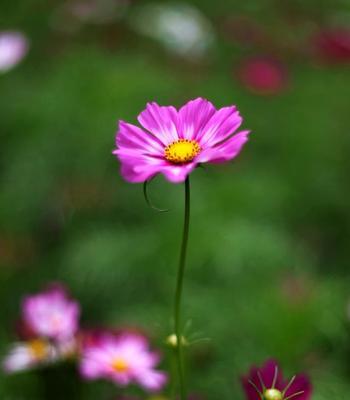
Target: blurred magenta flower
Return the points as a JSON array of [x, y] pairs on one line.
[[332, 45], [263, 75], [267, 383], [173, 142], [124, 359], [13, 47], [51, 314], [28, 355]]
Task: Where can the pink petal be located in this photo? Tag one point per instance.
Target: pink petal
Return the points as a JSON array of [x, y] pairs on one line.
[[193, 117], [152, 380], [177, 173], [132, 137], [139, 168], [90, 369], [220, 126], [121, 379], [161, 122], [224, 151]]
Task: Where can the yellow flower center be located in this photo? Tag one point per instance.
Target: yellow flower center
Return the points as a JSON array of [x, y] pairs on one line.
[[39, 349], [182, 151], [119, 365], [273, 394]]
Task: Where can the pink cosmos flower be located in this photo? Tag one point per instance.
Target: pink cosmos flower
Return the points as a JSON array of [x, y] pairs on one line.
[[13, 47], [30, 354], [263, 75], [173, 142], [267, 383], [51, 314], [123, 359]]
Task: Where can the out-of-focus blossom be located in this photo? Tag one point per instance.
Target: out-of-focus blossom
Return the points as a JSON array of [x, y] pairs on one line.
[[28, 355], [124, 359], [332, 45], [263, 75], [48, 330], [173, 142], [267, 383], [51, 314], [180, 27], [68, 349], [72, 15], [13, 48]]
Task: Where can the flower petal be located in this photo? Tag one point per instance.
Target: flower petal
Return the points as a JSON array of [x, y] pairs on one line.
[[220, 126], [132, 137], [136, 168], [193, 117], [177, 173], [301, 383], [19, 359], [161, 121], [262, 377], [152, 380], [224, 151], [268, 372], [251, 393]]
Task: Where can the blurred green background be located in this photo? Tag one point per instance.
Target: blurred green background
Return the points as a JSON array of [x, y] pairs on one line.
[[268, 259]]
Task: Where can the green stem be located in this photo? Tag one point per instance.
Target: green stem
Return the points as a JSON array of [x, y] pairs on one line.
[[178, 292]]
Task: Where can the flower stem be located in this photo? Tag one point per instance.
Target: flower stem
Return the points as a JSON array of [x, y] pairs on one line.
[[178, 293]]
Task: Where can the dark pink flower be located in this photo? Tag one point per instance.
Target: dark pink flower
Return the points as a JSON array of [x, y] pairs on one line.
[[267, 383], [124, 359], [263, 75], [173, 142], [333, 45]]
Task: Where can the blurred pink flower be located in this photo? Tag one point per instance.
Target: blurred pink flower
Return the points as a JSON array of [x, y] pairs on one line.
[[13, 47], [173, 142], [263, 75], [267, 383], [332, 45], [28, 355], [51, 314], [123, 359]]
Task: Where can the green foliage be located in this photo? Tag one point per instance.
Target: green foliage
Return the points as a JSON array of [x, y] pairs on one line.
[[268, 267]]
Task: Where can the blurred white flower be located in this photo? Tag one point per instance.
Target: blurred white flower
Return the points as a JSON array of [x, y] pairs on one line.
[[13, 47], [181, 28], [28, 355]]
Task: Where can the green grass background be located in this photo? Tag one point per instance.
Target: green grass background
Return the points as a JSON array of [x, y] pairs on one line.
[[268, 261]]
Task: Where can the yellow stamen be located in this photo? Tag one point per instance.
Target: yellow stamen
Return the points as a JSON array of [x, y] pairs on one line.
[[273, 394], [119, 365], [39, 349], [182, 151]]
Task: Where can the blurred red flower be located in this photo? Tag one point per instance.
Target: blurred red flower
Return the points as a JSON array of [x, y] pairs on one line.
[[332, 45]]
